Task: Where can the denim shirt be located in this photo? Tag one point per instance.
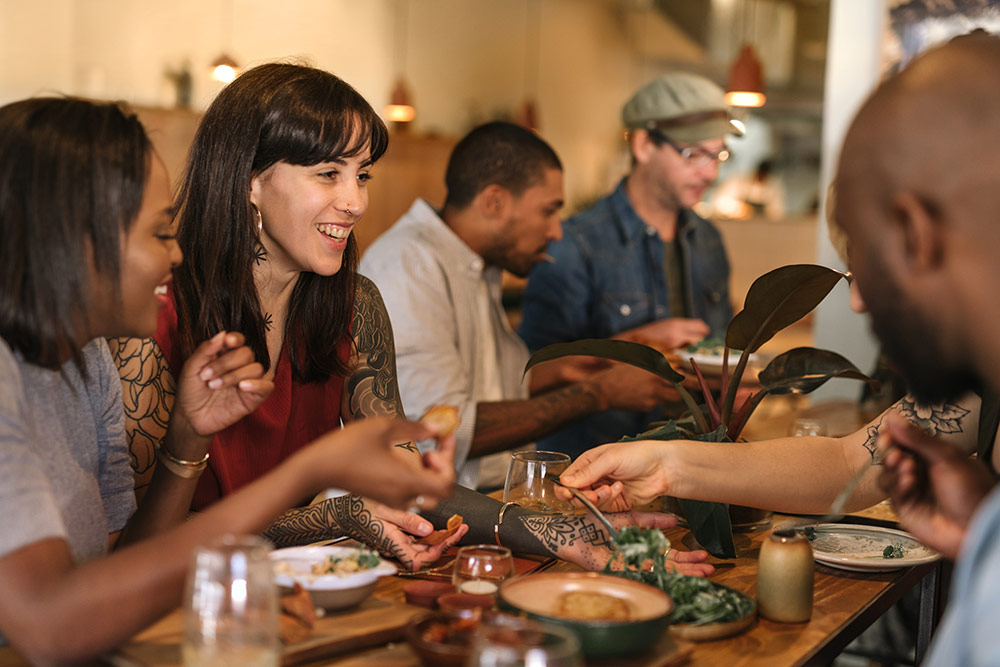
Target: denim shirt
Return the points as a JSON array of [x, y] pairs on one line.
[[608, 277]]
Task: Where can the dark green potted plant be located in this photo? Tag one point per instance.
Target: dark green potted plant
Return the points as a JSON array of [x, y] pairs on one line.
[[774, 301]]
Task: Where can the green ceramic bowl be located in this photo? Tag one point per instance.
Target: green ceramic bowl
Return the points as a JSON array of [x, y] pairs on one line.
[[539, 596]]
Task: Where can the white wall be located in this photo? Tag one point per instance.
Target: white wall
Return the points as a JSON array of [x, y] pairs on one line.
[[853, 66]]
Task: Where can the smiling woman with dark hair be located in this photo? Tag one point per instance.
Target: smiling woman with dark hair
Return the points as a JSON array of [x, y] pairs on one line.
[[88, 248]]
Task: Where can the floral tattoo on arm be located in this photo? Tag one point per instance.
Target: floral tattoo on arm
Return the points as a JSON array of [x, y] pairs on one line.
[[560, 532], [148, 391], [938, 419]]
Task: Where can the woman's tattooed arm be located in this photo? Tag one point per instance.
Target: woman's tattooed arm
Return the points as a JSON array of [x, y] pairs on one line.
[[148, 391], [371, 388], [936, 420]]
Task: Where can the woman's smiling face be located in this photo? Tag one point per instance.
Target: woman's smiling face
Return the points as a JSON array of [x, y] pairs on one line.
[[308, 212], [149, 254]]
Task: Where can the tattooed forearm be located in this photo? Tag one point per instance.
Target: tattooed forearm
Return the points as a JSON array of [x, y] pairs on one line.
[[148, 395], [371, 388], [344, 515], [504, 424], [561, 533], [937, 419]]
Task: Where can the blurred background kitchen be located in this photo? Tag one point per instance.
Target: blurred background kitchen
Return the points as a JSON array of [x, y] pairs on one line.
[[564, 67]]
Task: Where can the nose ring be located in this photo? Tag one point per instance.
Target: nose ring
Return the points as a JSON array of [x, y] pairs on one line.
[[348, 211]]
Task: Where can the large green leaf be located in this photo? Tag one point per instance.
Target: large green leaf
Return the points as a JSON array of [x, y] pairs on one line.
[[779, 298], [635, 354], [708, 521], [803, 369]]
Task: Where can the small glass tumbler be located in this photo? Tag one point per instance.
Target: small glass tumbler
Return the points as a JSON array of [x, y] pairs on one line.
[[231, 605], [528, 484], [481, 568], [506, 641]]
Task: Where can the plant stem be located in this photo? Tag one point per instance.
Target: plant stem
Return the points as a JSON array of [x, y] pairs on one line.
[[693, 407], [713, 409], [743, 416], [734, 385]]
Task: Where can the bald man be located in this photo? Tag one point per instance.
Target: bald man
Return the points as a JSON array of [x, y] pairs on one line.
[[918, 201]]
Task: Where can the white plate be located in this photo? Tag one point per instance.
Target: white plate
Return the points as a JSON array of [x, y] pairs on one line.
[[301, 560], [859, 548], [712, 363]]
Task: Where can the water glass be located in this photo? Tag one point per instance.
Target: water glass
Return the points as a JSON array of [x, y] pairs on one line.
[[516, 642], [231, 605], [481, 568], [807, 426], [528, 484]]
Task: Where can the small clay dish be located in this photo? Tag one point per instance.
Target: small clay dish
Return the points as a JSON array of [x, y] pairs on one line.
[[426, 593], [459, 602]]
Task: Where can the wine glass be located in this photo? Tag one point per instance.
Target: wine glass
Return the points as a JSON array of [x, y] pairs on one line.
[[231, 605], [511, 641], [528, 484], [480, 568]]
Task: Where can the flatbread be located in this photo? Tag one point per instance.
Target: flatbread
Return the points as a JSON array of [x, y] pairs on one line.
[[439, 536], [298, 615], [443, 419]]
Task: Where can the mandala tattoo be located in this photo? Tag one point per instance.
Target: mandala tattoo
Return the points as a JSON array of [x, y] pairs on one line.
[[345, 515], [148, 391], [559, 531], [938, 419]]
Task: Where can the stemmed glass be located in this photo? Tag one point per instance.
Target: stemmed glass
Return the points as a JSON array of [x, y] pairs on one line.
[[528, 484], [480, 568], [231, 605]]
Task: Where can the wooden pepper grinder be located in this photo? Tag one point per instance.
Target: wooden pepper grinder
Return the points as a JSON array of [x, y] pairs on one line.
[[785, 577]]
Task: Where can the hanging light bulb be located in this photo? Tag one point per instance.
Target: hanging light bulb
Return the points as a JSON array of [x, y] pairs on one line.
[[224, 69], [746, 80], [400, 109]]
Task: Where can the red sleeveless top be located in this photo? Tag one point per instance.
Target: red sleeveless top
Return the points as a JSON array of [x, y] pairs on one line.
[[292, 416]]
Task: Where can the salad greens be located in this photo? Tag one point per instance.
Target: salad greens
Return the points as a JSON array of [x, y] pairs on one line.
[[893, 551], [697, 601]]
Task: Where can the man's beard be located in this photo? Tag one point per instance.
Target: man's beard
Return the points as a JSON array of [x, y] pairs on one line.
[[919, 354]]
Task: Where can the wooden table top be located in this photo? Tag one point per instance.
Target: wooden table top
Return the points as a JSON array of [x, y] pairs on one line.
[[845, 604]]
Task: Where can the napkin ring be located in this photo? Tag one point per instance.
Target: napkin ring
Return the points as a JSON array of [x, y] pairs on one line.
[[496, 526], [180, 467]]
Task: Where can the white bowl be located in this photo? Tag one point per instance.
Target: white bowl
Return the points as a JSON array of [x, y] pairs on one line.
[[329, 591]]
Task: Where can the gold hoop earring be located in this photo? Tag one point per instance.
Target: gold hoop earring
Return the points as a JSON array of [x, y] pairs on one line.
[[260, 219]]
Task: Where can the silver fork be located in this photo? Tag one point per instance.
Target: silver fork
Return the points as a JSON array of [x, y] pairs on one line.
[[589, 505]]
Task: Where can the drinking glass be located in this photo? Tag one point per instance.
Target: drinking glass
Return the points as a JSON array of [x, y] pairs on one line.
[[503, 641], [528, 484], [480, 568], [231, 605], [807, 426]]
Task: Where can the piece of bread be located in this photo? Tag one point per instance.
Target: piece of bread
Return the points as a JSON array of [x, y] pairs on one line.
[[443, 419], [439, 536], [298, 615], [592, 606]]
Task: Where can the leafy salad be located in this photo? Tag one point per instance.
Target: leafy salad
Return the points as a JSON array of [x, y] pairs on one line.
[[697, 601]]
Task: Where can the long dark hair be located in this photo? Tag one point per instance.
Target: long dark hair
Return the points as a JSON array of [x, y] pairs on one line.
[[72, 174], [272, 113]]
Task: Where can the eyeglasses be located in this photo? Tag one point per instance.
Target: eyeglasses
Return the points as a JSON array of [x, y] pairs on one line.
[[695, 156]]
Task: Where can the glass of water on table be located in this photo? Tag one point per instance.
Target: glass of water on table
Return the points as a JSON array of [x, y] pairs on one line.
[[528, 481]]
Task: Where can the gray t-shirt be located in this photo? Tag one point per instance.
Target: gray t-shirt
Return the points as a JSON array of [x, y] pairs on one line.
[[64, 464]]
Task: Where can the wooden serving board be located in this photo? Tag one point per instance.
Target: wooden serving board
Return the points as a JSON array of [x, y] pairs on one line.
[[374, 622]]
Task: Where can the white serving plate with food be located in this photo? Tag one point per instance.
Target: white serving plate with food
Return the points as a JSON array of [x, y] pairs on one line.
[[860, 548], [336, 590]]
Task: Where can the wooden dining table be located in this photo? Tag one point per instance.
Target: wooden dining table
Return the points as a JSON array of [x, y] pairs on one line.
[[372, 635]]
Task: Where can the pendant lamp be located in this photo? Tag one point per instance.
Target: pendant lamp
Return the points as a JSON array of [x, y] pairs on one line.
[[400, 108], [745, 87]]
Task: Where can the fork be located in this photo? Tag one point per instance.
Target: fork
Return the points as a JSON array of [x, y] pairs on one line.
[[589, 505]]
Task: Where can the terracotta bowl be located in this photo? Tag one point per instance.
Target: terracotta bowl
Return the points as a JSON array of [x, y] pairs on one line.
[[426, 593]]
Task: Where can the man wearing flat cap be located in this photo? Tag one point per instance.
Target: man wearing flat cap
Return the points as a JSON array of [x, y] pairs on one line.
[[640, 264]]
